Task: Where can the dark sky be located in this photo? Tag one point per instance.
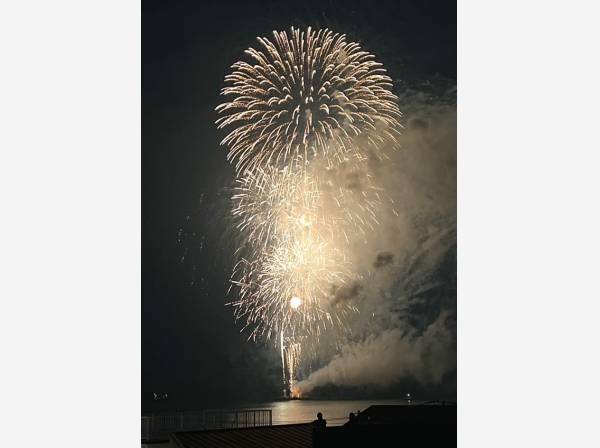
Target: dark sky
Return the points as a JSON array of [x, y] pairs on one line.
[[190, 345]]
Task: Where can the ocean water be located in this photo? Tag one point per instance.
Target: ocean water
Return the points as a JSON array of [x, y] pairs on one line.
[[304, 411]]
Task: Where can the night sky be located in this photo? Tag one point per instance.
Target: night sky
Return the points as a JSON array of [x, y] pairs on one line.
[[191, 347]]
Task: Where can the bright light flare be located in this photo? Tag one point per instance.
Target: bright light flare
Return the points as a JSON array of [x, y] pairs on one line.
[[295, 302]]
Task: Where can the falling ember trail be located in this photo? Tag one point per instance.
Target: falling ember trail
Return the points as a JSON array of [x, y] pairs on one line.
[[290, 356], [283, 370]]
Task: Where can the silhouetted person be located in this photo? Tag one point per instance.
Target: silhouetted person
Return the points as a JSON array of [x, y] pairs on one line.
[[352, 421], [318, 432], [320, 422]]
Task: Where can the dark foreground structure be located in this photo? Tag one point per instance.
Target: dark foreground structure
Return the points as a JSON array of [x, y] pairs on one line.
[[157, 427], [429, 424]]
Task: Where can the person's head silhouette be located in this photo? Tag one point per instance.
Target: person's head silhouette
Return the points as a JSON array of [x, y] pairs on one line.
[[320, 422]]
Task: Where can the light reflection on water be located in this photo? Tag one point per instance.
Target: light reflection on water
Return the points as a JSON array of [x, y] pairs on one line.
[[304, 411]]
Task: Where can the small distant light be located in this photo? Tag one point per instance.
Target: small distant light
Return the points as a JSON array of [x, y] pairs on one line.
[[295, 302]]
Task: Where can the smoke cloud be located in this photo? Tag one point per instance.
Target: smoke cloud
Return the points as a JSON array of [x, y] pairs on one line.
[[382, 359], [406, 295]]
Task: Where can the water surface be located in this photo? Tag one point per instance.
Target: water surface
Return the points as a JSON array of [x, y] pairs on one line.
[[303, 411]]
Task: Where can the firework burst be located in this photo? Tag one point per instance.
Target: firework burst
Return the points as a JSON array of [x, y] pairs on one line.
[[307, 94], [305, 118], [292, 257]]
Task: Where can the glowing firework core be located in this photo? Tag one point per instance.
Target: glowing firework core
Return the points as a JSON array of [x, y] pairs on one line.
[[295, 302]]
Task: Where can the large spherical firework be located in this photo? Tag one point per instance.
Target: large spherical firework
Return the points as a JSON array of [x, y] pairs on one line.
[[307, 94]]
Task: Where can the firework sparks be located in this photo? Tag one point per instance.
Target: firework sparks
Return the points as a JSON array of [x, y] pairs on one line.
[[294, 247], [290, 358], [291, 261], [306, 94], [304, 118]]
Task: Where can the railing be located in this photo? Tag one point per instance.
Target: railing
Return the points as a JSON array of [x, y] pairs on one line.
[[159, 426], [216, 419]]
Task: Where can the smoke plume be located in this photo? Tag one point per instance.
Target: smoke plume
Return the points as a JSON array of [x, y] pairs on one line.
[[406, 294], [382, 359]]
